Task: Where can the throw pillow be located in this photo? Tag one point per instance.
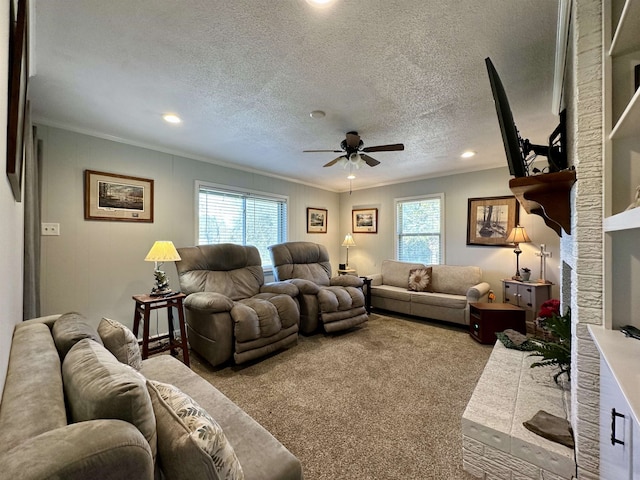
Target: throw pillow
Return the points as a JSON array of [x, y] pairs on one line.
[[121, 342], [69, 329], [191, 444], [420, 279], [98, 386]]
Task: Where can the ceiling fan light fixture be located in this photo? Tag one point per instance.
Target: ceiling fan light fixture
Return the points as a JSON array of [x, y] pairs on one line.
[[468, 154]]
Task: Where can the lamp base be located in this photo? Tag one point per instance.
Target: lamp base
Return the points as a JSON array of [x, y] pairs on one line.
[[160, 293]]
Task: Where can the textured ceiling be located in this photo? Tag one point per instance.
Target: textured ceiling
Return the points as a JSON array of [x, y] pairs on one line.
[[244, 75]]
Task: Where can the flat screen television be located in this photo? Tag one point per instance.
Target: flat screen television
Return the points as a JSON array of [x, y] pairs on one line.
[[515, 147]]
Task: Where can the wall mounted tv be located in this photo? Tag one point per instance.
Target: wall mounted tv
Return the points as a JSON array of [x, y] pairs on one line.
[[518, 150]]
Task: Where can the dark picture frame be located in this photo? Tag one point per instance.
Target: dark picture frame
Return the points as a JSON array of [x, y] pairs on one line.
[[317, 220], [114, 197], [491, 219], [364, 220], [17, 98]]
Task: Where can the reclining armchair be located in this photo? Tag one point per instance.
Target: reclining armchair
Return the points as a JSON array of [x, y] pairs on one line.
[[337, 303], [230, 311]]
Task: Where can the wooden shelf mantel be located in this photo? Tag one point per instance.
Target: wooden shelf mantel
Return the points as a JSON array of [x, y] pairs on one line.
[[547, 195]]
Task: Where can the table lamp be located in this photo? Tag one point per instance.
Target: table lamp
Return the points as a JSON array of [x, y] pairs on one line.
[[518, 236], [162, 251], [348, 242]]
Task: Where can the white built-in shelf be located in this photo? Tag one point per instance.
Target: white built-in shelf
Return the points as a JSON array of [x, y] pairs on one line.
[[629, 122], [622, 354], [626, 38], [626, 220]]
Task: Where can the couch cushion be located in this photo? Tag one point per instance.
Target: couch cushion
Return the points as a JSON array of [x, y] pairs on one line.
[[69, 329], [455, 279], [395, 293], [439, 299], [98, 386], [33, 387], [396, 273], [420, 279], [121, 342], [191, 444]]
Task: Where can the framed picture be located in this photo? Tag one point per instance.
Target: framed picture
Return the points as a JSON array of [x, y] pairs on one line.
[[316, 220], [364, 220], [490, 220], [18, 75], [108, 196]]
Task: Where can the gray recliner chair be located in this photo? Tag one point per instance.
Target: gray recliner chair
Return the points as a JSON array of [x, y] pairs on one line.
[[230, 311], [335, 302]]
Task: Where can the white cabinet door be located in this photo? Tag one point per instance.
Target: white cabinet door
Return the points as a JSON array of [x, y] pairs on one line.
[[615, 429]]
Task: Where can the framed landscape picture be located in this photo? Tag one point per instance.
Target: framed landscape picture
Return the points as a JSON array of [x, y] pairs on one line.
[[108, 196], [316, 220], [491, 219], [364, 220]]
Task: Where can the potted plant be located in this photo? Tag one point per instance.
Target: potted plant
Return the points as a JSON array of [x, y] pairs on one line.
[[555, 348], [526, 274]]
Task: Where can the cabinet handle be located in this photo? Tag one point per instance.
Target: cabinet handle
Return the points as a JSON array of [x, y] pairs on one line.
[[615, 414], [529, 305], [507, 286]]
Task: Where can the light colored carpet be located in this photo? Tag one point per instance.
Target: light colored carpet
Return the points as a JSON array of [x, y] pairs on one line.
[[383, 401]]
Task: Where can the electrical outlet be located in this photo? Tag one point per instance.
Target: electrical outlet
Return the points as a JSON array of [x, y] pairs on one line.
[[50, 229]]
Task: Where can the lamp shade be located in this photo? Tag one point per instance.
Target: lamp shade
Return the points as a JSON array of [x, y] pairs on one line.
[[162, 251], [518, 235], [348, 241]]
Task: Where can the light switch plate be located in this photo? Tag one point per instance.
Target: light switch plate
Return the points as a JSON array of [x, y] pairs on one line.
[[50, 229]]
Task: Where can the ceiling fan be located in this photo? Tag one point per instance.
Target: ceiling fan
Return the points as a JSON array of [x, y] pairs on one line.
[[354, 153]]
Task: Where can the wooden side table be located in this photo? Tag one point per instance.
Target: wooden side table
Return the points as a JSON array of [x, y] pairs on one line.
[[485, 319], [367, 293], [144, 305]]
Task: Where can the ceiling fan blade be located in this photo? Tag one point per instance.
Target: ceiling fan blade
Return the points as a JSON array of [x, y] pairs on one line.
[[332, 151], [334, 161], [372, 162], [353, 139], [384, 148]]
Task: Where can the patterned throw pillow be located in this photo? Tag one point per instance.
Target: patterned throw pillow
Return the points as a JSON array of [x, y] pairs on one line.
[[191, 444], [420, 279], [121, 342]]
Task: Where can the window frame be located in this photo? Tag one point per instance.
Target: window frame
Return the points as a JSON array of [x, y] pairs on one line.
[[430, 196], [267, 269]]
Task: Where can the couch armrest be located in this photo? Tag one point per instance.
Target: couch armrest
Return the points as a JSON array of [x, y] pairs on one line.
[[376, 279], [208, 302], [283, 288], [306, 287], [346, 281], [85, 450], [478, 292]]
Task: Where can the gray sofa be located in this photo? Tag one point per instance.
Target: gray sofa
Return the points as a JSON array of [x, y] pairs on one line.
[[453, 288], [41, 437]]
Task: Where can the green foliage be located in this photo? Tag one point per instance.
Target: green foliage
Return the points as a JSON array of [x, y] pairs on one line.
[[557, 350]]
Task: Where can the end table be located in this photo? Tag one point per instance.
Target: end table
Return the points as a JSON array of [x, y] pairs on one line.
[[144, 305], [485, 319]]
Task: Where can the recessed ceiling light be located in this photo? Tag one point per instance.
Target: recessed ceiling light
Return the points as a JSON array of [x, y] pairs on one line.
[[317, 114], [468, 154], [320, 3], [171, 118]]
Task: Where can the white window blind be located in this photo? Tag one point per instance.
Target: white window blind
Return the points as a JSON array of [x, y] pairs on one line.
[[244, 218], [419, 227]]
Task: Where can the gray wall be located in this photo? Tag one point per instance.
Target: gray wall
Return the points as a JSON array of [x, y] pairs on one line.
[[496, 262], [11, 213], [94, 267]]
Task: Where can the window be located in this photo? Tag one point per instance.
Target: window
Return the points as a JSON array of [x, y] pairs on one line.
[[242, 217], [419, 229]]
